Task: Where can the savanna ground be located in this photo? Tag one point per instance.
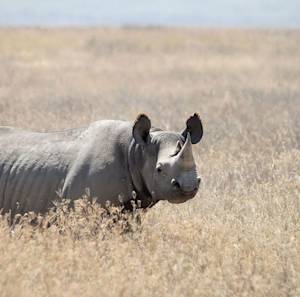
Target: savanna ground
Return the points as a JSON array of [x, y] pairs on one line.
[[240, 236]]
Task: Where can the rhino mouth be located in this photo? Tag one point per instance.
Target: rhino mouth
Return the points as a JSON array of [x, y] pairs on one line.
[[189, 193], [183, 197]]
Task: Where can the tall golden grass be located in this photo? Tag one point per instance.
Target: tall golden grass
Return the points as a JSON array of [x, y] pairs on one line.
[[240, 236]]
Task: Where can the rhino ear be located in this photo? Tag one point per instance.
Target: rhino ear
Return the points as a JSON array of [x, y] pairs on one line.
[[141, 129], [194, 127]]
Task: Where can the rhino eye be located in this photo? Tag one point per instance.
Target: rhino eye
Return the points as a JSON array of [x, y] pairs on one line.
[[159, 168]]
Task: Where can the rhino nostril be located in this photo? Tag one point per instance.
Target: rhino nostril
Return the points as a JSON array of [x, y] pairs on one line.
[[199, 180], [175, 183]]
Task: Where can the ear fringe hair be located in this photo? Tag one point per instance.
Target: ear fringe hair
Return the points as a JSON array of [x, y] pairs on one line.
[[141, 116]]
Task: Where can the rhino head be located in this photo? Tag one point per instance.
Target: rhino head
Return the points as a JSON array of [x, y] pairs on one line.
[[165, 168]]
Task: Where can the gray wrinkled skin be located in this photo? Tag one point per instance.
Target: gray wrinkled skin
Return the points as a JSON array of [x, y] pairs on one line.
[[117, 161]]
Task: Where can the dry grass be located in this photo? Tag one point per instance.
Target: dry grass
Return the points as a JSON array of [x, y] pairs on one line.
[[240, 236]]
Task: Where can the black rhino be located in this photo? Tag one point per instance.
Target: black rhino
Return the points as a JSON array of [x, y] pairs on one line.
[[117, 161]]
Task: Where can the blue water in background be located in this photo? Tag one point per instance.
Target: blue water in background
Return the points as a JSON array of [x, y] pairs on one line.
[[208, 13]]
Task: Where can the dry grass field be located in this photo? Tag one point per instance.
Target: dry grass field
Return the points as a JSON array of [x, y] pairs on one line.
[[240, 236]]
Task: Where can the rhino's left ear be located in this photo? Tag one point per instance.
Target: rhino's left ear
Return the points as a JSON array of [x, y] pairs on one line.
[[194, 127], [141, 129]]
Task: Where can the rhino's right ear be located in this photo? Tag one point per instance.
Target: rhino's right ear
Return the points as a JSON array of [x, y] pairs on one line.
[[141, 129], [194, 127]]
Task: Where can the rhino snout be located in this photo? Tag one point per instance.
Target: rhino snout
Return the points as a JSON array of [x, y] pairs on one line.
[[186, 187]]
